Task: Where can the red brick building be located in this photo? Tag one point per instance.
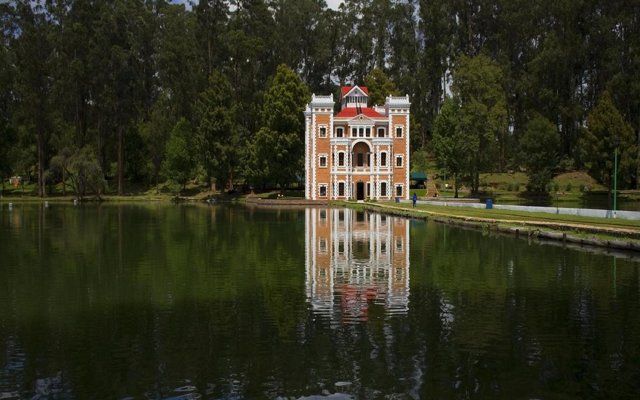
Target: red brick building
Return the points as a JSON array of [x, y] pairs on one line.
[[359, 153]]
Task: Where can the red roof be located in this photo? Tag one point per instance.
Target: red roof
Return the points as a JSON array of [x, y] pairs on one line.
[[352, 112], [347, 89]]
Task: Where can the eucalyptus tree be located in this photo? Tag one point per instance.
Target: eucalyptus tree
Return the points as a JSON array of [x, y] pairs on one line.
[[120, 82], [212, 17], [177, 58], [33, 49], [7, 86], [305, 37]]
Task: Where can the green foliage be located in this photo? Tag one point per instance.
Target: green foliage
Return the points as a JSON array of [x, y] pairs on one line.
[[451, 144], [155, 133], [477, 88], [119, 74], [81, 168], [276, 152], [420, 161], [179, 160], [607, 133], [217, 140], [539, 152], [380, 86]]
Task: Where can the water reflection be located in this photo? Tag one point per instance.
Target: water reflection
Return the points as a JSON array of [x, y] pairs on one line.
[[354, 259]]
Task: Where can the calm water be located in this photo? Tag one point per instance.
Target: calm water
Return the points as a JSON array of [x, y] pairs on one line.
[[222, 302]]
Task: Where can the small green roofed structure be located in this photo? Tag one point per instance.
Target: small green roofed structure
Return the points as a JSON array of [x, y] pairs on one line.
[[418, 178]]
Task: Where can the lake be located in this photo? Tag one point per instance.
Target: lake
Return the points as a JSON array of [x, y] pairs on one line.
[[157, 301]]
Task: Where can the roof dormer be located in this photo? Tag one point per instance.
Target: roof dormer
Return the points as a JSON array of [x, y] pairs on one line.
[[354, 96]]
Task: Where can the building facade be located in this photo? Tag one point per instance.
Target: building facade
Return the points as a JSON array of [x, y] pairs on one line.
[[359, 153]]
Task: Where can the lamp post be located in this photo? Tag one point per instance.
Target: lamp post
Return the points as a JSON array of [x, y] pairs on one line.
[[616, 141]]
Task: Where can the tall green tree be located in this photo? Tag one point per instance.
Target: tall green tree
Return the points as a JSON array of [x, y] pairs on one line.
[[453, 145], [33, 50], [539, 147], [155, 133], [212, 17], [121, 51], [380, 86], [277, 150], [177, 58], [477, 87], [217, 139], [607, 131], [179, 160], [7, 87]]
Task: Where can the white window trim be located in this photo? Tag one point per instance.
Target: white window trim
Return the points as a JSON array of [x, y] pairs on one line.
[[395, 161], [337, 129], [344, 186], [320, 135], [326, 163], [387, 189], [326, 189], [321, 248], [395, 131], [378, 129], [344, 159], [386, 164], [395, 190]]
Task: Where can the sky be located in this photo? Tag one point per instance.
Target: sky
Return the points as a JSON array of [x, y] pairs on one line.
[[331, 3]]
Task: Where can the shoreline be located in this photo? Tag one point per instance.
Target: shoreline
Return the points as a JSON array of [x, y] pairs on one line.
[[574, 233], [626, 240]]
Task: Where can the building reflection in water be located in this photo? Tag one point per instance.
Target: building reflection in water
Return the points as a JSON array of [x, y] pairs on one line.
[[354, 259]]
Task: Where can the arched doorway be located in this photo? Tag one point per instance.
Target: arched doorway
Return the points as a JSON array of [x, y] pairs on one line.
[[361, 156]]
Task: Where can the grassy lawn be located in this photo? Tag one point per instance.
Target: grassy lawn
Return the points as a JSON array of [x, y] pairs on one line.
[[508, 215]]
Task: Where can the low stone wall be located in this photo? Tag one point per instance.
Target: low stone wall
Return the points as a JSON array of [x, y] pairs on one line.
[[286, 202], [583, 212], [556, 233]]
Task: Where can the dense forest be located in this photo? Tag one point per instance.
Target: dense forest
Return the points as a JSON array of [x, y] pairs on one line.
[[100, 96]]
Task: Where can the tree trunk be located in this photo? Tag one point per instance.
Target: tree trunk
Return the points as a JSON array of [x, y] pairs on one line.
[[455, 185], [64, 184], [120, 162], [41, 187], [210, 69]]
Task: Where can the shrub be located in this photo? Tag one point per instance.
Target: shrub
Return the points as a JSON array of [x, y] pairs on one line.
[[568, 187], [510, 187], [556, 187], [517, 187]]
